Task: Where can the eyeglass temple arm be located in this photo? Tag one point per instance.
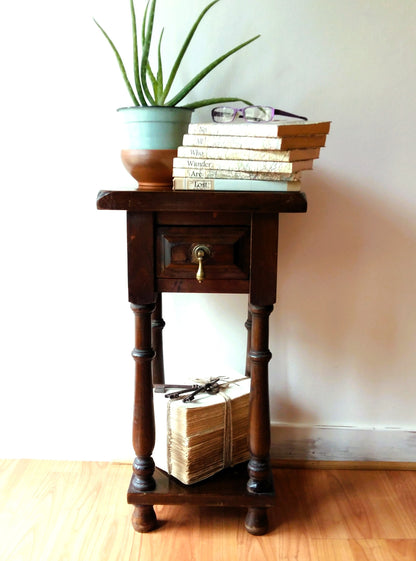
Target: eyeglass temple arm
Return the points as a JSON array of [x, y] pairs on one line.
[[286, 114]]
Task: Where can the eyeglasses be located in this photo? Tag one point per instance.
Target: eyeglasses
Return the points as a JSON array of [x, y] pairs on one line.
[[251, 114]]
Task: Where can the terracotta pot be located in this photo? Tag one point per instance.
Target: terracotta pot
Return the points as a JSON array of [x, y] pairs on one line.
[[152, 169], [152, 137]]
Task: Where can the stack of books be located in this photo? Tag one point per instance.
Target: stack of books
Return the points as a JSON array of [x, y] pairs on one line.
[[248, 156], [195, 440]]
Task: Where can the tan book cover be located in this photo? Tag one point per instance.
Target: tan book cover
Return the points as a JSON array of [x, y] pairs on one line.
[[205, 173], [255, 142], [208, 152], [274, 129], [243, 165]]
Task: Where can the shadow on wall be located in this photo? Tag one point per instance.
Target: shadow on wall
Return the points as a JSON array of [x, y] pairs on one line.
[[345, 323]]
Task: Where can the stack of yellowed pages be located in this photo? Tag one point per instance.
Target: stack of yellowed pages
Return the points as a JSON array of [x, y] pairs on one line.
[[195, 440]]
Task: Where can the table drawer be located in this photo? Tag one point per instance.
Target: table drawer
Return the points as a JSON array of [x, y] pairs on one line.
[[226, 252]]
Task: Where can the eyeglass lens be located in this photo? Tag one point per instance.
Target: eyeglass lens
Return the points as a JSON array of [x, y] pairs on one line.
[[258, 113], [251, 114], [223, 114]]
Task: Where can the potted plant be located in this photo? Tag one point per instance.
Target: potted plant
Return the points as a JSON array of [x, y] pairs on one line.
[[156, 122]]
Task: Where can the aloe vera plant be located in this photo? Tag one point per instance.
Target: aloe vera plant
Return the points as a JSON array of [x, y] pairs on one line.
[[141, 93]]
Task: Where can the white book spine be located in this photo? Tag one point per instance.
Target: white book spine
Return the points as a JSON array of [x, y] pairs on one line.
[[271, 129], [243, 165], [208, 152], [191, 184], [254, 142], [232, 174]]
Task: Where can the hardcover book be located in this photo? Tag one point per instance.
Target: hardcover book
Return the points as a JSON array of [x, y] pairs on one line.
[[255, 142], [273, 129], [191, 184], [206, 173], [208, 152], [243, 165]]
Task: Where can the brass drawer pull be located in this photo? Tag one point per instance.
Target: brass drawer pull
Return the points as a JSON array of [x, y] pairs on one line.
[[199, 253]]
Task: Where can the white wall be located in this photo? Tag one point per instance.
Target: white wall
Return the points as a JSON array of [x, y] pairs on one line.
[[343, 333]]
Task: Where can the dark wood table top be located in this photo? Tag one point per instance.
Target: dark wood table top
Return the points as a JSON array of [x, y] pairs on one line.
[[203, 201]]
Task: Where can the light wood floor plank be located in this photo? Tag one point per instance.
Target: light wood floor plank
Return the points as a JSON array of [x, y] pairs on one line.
[[76, 511], [365, 550]]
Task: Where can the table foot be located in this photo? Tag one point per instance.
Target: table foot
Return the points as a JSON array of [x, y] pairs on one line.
[[144, 518], [256, 521]]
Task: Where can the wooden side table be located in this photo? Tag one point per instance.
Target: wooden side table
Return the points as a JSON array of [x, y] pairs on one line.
[[210, 242]]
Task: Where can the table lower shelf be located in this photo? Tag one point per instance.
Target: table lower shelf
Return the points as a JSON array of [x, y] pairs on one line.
[[227, 488]]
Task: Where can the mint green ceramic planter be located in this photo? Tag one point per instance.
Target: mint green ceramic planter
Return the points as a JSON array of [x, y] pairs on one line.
[[152, 136], [154, 128]]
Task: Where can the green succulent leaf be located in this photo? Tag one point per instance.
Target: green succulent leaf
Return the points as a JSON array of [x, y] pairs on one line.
[[148, 68], [144, 22], [146, 49], [214, 101], [184, 48], [201, 75], [153, 80], [121, 65], [143, 71], [136, 55], [159, 79]]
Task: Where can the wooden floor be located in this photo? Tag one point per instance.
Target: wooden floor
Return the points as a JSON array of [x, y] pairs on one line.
[[77, 511]]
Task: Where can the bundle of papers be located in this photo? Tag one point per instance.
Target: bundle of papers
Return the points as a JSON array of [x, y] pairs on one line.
[[195, 440]]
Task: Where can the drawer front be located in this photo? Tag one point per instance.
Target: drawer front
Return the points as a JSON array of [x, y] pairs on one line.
[[227, 255]]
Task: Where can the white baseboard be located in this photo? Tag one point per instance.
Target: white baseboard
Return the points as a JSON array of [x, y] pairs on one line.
[[348, 444]]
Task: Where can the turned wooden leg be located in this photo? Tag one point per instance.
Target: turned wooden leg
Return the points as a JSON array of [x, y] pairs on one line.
[[248, 325], [158, 371], [144, 518], [256, 521], [143, 417], [260, 479]]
